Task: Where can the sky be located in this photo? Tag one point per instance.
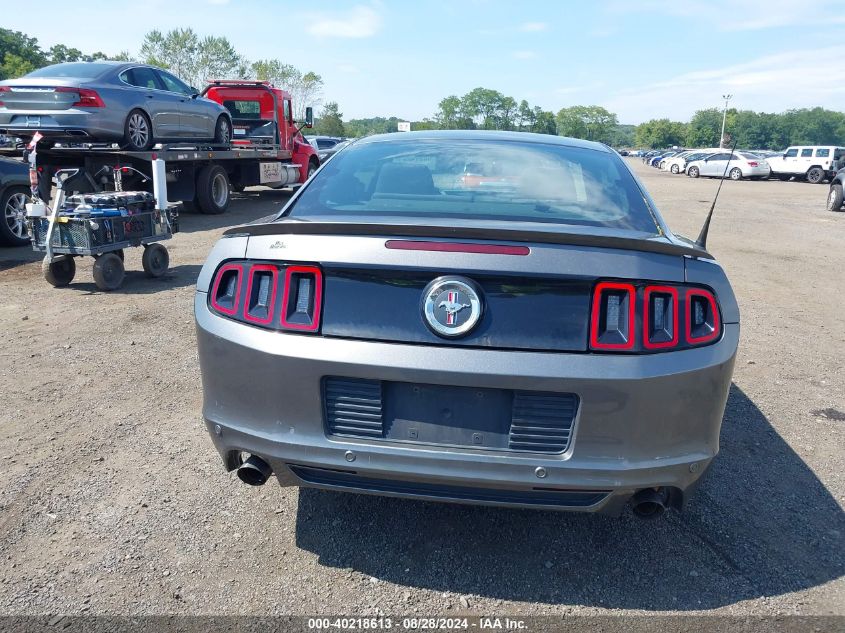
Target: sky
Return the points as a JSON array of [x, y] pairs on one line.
[[640, 59]]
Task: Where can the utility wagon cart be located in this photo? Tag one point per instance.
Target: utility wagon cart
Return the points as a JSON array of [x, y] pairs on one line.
[[101, 226]]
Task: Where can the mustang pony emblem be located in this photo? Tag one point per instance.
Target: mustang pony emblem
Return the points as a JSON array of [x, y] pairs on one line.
[[452, 307]]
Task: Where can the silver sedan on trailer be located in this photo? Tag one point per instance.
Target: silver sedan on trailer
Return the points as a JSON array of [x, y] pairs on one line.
[[129, 103], [401, 330]]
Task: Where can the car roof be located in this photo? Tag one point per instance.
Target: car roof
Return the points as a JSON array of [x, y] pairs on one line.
[[485, 135]]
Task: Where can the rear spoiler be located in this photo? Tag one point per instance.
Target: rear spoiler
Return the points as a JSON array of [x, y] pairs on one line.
[[650, 244]]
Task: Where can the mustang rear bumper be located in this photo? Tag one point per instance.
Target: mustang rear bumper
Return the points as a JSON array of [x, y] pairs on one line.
[[643, 421]]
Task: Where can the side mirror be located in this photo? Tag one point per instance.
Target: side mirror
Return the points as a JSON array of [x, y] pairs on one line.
[[194, 93], [309, 117]]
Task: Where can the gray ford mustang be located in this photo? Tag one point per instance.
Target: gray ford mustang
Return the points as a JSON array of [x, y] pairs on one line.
[[126, 102], [480, 317]]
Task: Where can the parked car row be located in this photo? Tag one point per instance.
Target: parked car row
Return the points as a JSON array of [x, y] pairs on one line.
[[815, 164]]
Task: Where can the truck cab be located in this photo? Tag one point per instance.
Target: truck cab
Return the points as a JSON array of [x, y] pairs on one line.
[[262, 118], [815, 163]]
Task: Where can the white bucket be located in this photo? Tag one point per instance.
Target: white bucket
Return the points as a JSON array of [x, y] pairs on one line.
[[36, 209]]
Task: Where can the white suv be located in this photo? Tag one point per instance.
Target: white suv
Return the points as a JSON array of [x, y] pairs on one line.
[[813, 162]]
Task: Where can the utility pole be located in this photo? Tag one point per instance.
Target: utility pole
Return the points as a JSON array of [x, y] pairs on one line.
[[724, 116]]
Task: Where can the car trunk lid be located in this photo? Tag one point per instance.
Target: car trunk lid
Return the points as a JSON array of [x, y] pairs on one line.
[[39, 95]]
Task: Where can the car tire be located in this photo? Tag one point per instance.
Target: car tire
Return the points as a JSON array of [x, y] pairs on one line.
[[137, 132], [59, 272], [155, 260], [815, 175], [735, 174], [692, 172], [835, 198], [213, 192], [108, 272], [223, 131], [675, 168], [312, 167], [13, 219]]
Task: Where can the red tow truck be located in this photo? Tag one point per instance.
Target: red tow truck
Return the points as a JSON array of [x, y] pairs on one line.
[[267, 149]]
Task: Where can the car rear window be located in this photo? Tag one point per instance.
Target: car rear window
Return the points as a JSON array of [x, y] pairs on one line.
[[478, 179], [74, 70], [823, 153]]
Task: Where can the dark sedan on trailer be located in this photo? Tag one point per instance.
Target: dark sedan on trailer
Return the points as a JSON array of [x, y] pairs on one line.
[[123, 102], [398, 331]]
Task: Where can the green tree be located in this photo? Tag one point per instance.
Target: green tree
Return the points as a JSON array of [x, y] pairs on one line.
[[330, 122], [660, 133], [448, 113], [19, 54], [704, 128], [176, 50], [588, 122], [61, 53], [216, 58], [544, 122], [525, 116]]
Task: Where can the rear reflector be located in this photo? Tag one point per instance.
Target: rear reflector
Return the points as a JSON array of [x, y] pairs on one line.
[[612, 322], [457, 247]]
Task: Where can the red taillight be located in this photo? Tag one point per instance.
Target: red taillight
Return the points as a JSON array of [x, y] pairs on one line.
[[2, 90], [226, 290], [87, 98], [302, 300], [613, 313], [261, 288], [663, 311], [660, 317], [752, 163], [248, 292], [702, 316]]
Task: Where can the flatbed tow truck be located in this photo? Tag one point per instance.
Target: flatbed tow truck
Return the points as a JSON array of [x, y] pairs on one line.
[[267, 149]]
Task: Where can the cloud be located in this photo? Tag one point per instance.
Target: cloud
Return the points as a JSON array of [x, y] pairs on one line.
[[359, 22], [533, 27], [524, 55], [748, 15], [772, 83]]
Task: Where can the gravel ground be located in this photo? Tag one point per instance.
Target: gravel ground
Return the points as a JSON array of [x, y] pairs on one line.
[[113, 500]]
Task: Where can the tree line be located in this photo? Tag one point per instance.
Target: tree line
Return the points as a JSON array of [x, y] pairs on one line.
[[196, 59], [749, 129]]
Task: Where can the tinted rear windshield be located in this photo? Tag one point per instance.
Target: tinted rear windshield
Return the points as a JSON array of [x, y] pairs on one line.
[[76, 70], [478, 179]]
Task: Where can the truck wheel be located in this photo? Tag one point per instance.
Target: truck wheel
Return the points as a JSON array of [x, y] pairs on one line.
[[835, 197], [815, 175], [108, 272], [312, 167], [137, 132], [222, 131], [692, 172], [212, 190], [155, 260], [60, 271]]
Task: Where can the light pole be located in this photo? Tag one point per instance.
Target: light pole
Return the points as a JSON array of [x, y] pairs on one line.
[[724, 116]]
